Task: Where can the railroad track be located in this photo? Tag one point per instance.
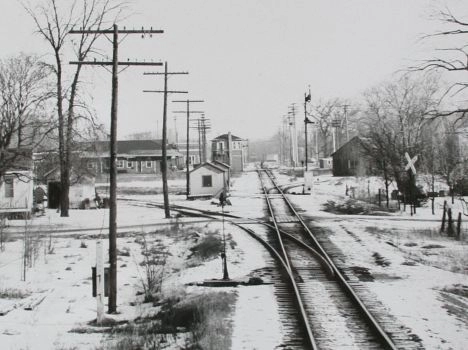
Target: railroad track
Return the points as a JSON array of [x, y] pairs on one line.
[[306, 278], [332, 314]]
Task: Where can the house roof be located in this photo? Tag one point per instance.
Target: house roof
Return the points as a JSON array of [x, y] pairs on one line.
[[226, 136], [129, 148], [214, 167]]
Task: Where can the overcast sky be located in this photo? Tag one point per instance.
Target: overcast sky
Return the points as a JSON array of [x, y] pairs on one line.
[[249, 59]]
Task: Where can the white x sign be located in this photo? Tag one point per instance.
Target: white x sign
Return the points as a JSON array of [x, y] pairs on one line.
[[411, 162]]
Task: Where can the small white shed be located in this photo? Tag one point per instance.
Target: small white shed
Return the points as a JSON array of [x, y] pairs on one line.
[[16, 193], [208, 180]]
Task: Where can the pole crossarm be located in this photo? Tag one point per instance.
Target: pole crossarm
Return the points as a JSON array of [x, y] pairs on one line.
[[190, 101], [186, 111], [120, 31], [110, 63], [169, 91], [161, 73]]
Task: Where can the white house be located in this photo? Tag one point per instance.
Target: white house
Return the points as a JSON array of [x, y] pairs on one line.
[[16, 193], [208, 180]]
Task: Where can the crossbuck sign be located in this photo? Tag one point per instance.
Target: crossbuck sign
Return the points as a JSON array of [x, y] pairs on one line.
[[411, 162]]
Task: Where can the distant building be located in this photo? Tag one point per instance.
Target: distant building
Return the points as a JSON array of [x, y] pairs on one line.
[[208, 180], [133, 156], [350, 159], [231, 150], [194, 154], [16, 188]]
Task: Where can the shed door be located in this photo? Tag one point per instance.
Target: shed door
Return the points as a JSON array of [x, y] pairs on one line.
[[53, 193]]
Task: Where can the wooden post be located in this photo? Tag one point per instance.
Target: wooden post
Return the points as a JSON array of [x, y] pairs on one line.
[[380, 199], [112, 307], [459, 221], [449, 222], [99, 282], [442, 228]]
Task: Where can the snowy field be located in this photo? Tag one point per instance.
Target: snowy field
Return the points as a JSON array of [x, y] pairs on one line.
[[418, 274]]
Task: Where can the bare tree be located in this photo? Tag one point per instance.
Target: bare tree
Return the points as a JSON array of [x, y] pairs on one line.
[[23, 99], [323, 113], [394, 120], [453, 60], [54, 23]]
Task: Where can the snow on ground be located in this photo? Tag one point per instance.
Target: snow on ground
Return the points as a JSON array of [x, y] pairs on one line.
[[415, 268], [61, 276], [417, 272]]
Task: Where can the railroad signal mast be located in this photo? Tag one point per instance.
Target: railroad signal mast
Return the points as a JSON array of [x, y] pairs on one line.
[[115, 63]]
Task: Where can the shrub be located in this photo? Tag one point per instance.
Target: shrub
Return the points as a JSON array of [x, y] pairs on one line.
[[208, 247]]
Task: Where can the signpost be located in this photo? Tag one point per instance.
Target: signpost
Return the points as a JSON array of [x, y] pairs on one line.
[[99, 282], [410, 168]]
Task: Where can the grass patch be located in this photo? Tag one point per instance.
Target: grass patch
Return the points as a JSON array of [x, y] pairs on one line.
[[13, 293], [207, 247], [354, 207], [191, 321]]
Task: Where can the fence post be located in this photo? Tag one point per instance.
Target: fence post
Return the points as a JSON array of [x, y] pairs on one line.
[[449, 222], [459, 221], [380, 199], [99, 282], [442, 228]]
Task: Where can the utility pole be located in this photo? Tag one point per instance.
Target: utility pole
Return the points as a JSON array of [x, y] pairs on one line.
[[202, 127], [187, 161], [112, 307], [167, 212]]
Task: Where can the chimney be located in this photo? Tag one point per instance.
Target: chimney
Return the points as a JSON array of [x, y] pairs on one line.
[[229, 146]]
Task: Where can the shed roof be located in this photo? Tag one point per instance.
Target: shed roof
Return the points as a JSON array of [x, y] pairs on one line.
[[355, 139], [214, 167]]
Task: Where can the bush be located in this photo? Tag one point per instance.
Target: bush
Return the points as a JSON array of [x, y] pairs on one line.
[[208, 247]]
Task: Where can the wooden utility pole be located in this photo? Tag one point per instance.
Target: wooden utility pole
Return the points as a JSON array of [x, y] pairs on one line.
[[187, 161], [112, 307], [202, 127], [167, 212]]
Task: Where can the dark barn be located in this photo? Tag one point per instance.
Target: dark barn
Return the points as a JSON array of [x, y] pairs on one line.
[[350, 159]]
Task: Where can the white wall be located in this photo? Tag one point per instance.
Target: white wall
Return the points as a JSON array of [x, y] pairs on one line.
[[80, 192], [196, 182], [22, 193]]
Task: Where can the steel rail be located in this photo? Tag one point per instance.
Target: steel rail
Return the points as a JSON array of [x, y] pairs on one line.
[[387, 341], [298, 297]]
